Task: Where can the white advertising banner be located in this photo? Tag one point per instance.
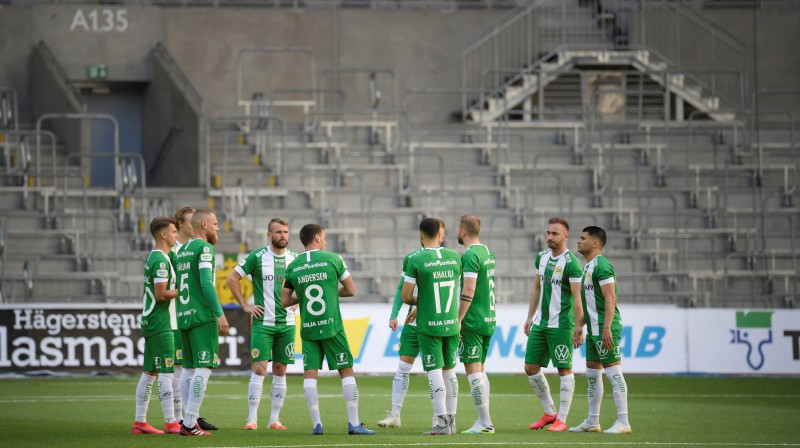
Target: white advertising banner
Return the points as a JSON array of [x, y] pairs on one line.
[[653, 340], [744, 341]]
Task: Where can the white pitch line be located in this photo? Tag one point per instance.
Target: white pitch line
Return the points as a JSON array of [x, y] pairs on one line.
[[549, 443]]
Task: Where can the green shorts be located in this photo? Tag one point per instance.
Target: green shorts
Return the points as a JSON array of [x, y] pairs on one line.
[[409, 344], [438, 351], [336, 350], [178, 347], [159, 352], [273, 344], [201, 346], [473, 346], [596, 352], [545, 344]]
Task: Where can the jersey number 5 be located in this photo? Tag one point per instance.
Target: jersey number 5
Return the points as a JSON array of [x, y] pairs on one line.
[[183, 285], [451, 286]]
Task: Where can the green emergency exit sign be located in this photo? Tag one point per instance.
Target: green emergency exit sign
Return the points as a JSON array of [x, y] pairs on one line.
[[98, 72]]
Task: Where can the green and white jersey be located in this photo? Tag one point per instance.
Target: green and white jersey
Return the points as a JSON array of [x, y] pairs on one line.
[[315, 277], [555, 296], [597, 273], [436, 271], [155, 315], [196, 305], [267, 270], [478, 263], [173, 313], [398, 299]]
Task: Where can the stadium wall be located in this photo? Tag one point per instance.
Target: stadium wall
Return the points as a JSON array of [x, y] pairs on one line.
[[667, 340]]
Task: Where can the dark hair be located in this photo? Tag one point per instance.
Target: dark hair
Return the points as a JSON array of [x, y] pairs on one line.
[[430, 227], [181, 213], [470, 223], [159, 223], [308, 232], [597, 233], [278, 221], [561, 221]]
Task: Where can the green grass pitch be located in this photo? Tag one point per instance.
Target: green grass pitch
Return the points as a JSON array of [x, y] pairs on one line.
[[664, 411]]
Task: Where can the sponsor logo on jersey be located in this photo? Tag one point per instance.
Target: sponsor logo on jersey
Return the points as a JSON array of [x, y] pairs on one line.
[[440, 263], [161, 273], [429, 360], [562, 353], [157, 361], [754, 330], [289, 350], [601, 350], [204, 356], [473, 351], [206, 257], [460, 345], [341, 358], [254, 353], [305, 266]]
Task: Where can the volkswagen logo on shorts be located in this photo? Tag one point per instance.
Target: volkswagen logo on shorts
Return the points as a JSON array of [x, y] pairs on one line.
[[341, 358], [204, 356], [473, 351], [289, 350], [460, 346], [562, 353], [429, 360], [157, 361], [600, 349]]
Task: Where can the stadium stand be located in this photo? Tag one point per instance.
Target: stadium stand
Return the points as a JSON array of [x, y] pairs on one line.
[[640, 118]]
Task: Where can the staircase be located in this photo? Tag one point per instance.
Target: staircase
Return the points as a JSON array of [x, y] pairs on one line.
[[530, 84], [518, 70]]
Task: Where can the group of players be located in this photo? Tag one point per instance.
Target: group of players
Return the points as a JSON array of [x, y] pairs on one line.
[[182, 318]]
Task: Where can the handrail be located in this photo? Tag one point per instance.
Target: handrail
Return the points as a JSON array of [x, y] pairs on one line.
[[9, 94], [121, 189], [87, 116], [165, 145], [270, 50], [336, 71]]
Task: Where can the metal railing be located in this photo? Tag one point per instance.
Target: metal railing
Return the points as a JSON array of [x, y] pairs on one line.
[[687, 41], [674, 34]]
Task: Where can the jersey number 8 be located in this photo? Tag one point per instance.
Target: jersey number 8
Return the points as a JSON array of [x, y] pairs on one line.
[[314, 295]]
